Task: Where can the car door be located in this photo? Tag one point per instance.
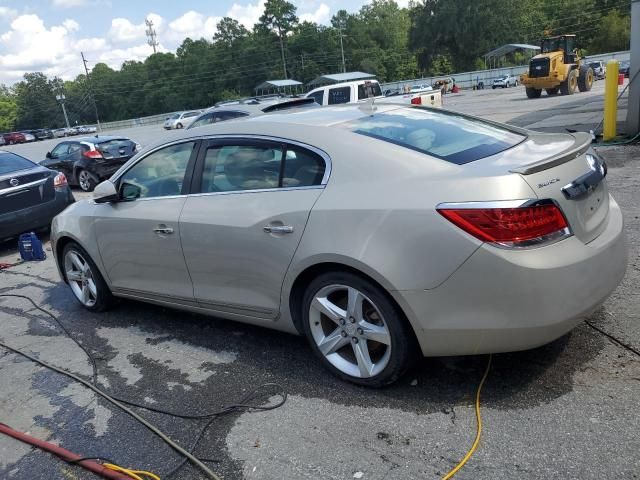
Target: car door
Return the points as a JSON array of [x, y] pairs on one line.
[[241, 231], [58, 159], [138, 236]]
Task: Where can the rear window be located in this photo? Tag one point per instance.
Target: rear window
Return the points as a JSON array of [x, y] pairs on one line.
[[339, 95], [10, 162], [371, 89], [115, 143], [447, 136]]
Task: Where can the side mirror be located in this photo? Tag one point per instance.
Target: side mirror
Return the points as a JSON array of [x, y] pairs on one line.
[[105, 192], [129, 191], [48, 155]]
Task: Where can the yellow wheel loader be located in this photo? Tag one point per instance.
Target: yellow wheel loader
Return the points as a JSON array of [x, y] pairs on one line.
[[557, 68]]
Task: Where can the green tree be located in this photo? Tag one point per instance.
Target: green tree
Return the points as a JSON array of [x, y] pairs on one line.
[[613, 33], [8, 109], [280, 17]]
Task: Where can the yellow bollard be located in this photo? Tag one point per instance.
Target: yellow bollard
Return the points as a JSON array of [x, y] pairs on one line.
[[610, 101]]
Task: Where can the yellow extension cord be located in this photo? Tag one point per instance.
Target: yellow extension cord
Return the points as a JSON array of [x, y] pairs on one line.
[[134, 474], [476, 442]]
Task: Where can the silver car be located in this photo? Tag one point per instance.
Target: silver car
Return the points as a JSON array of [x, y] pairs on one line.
[[181, 119], [376, 232]]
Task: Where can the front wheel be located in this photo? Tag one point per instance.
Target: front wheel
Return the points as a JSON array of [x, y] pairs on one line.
[[533, 92], [85, 280], [355, 330], [179, 125]]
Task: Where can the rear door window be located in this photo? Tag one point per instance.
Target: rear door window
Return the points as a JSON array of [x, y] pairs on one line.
[[339, 95], [302, 168], [448, 136], [367, 90]]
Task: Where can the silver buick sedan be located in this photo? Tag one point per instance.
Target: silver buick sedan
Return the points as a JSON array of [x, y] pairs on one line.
[[376, 232]]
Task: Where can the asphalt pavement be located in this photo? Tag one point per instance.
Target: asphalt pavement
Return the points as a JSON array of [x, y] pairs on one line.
[[566, 410]]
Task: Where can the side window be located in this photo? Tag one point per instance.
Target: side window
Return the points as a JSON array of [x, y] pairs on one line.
[[229, 168], [302, 168], [369, 89], [60, 150], [222, 116], [317, 96], [74, 148], [159, 174], [339, 95], [191, 114], [205, 119]]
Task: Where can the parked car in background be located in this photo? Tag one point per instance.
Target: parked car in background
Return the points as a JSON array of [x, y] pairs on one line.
[[84, 129], [13, 138], [60, 132], [28, 136], [377, 234], [2, 140], [71, 131], [599, 69], [505, 81], [624, 68], [181, 119], [30, 195], [250, 109], [420, 88], [88, 161], [43, 134]]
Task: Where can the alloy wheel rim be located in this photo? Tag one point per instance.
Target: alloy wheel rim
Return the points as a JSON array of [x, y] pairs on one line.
[[350, 331], [80, 278], [84, 180]]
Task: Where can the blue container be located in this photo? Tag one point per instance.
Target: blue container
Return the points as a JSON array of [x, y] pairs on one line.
[[30, 248]]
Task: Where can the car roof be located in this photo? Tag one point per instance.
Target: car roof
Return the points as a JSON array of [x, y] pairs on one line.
[[99, 138]]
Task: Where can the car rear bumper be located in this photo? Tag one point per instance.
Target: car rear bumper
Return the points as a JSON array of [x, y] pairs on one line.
[[507, 300], [37, 216]]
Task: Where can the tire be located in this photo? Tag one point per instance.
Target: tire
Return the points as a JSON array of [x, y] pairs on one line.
[[83, 277], [585, 78], [533, 92], [179, 126], [568, 87], [349, 351], [552, 91], [85, 181]]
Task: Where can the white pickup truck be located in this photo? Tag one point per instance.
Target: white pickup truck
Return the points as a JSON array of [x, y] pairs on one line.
[[363, 90]]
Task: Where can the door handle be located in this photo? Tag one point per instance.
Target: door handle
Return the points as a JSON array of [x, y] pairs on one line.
[[278, 229], [163, 229]]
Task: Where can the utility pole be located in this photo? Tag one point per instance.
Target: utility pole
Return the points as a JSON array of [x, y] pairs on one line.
[[633, 106], [151, 35], [93, 100], [344, 67]]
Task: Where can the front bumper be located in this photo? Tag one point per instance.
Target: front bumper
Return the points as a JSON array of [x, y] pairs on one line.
[[507, 300], [37, 216]]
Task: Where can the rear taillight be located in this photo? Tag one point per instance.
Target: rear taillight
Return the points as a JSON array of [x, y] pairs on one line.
[[416, 101], [95, 154], [60, 181], [501, 224]]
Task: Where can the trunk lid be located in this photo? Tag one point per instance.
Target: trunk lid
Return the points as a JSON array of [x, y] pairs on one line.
[[563, 168], [29, 188]]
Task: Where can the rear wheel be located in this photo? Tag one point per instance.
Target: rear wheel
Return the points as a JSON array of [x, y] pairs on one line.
[[552, 91], [86, 181], [179, 125], [355, 329], [568, 87], [85, 280], [585, 78], [533, 92]]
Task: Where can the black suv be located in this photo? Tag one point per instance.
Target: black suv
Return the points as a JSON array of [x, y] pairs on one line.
[[88, 161]]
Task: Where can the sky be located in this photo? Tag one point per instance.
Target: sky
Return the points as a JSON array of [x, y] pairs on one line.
[[48, 35]]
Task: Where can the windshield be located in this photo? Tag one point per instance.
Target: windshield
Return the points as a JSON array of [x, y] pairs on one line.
[[175, 116], [10, 162], [448, 136], [594, 65]]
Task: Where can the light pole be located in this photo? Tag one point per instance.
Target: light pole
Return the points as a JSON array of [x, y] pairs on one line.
[[60, 97]]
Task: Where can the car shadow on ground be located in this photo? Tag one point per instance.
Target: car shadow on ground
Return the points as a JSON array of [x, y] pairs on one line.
[[516, 380]]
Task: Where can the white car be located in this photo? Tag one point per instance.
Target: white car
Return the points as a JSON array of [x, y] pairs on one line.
[[505, 81], [181, 119], [28, 137], [86, 129]]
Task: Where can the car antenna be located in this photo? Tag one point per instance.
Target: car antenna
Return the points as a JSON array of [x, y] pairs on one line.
[[368, 107]]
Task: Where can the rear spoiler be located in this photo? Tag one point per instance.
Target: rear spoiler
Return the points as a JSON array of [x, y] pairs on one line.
[[298, 102], [580, 146]]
